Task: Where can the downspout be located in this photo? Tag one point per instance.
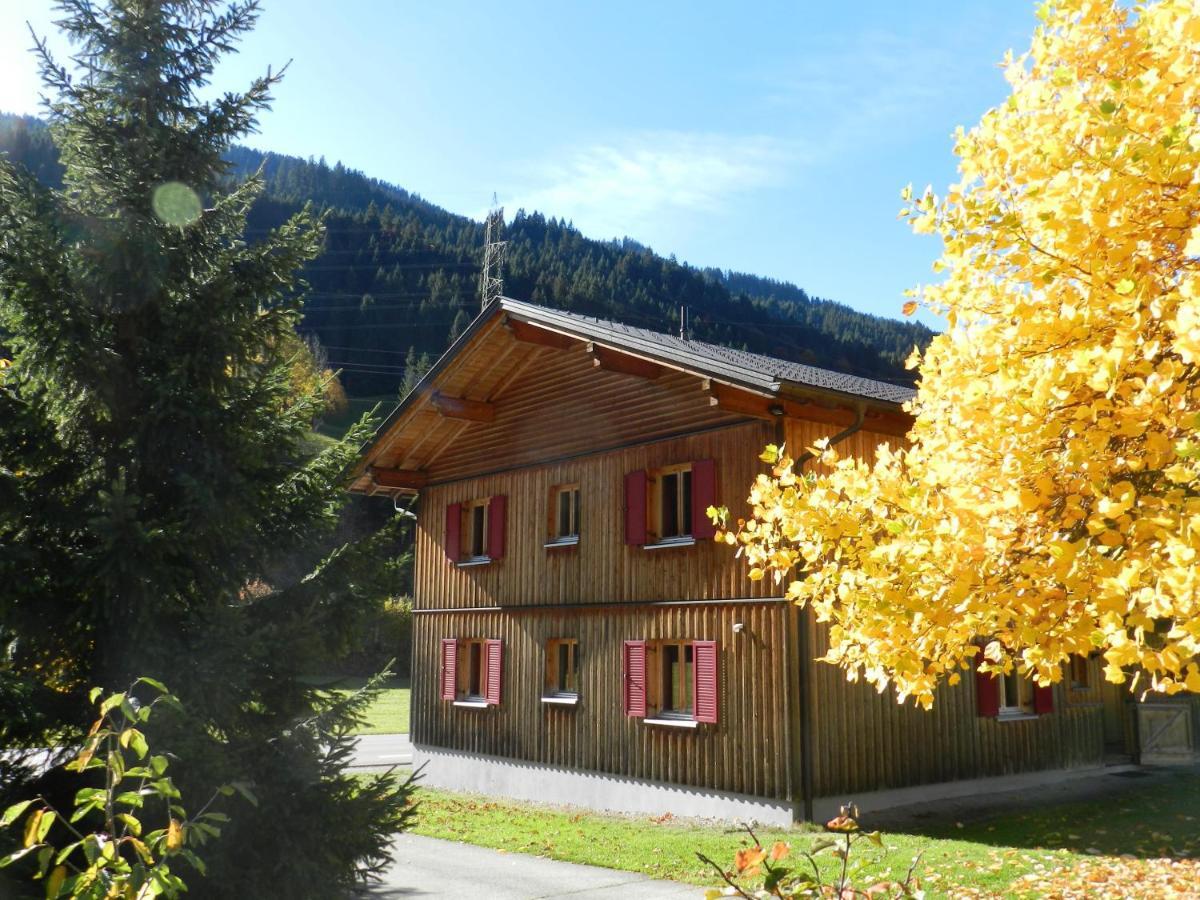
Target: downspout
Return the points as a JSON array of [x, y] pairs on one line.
[[806, 699]]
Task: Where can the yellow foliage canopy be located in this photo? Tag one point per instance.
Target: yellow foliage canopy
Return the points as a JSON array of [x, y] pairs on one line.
[[1049, 501]]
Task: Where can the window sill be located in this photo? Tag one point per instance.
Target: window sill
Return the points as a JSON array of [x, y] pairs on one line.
[[473, 561], [562, 700], [671, 542], [562, 542], [472, 704], [1020, 716], [673, 723]]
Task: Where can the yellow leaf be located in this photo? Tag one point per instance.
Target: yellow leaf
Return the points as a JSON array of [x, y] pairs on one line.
[[909, 307], [31, 827], [1125, 286], [55, 882], [174, 836]]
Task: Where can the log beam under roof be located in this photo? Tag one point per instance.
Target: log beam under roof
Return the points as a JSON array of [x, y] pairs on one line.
[[615, 361], [462, 408], [532, 334], [405, 479]]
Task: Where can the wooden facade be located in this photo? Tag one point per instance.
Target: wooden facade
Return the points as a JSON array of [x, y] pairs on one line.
[[517, 410]]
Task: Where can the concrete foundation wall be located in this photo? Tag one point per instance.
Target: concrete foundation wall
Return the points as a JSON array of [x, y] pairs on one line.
[[498, 777]]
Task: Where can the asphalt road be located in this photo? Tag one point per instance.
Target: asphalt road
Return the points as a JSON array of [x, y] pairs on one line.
[[428, 867], [382, 751]]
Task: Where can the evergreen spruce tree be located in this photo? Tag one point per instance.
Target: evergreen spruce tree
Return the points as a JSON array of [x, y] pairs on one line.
[[157, 497]]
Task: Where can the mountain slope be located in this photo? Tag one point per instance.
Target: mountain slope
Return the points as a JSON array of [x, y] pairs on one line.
[[398, 279]]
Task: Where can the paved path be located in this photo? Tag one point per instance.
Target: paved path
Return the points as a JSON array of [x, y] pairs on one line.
[[382, 751], [428, 867]]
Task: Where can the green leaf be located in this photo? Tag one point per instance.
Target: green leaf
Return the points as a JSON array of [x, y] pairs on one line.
[[243, 788], [1108, 107], [88, 795], [131, 822], [67, 851], [16, 855], [111, 702], [82, 811], [44, 825], [44, 857], [154, 683], [94, 693], [13, 812], [158, 764], [130, 798]]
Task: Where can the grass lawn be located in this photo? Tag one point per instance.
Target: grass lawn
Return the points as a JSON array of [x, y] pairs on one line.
[[388, 714], [1131, 835]]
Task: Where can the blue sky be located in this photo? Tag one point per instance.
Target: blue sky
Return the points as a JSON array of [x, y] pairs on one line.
[[771, 138]]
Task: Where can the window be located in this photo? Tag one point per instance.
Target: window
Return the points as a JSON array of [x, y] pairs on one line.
[[672, 513], [667, 507], [671, 682], [675, 684], [475, 530], [1081, 673], [1009, 696], [564, 514], [471, 671], [562, 670], [1016, 694]]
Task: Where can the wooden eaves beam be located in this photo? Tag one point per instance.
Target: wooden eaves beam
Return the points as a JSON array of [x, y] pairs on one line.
[[404, 479], [532, 334], [462, 408], [614, 361], [746, 403]]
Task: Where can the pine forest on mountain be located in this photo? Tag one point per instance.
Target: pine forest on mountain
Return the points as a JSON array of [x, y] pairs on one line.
[[398, 279]]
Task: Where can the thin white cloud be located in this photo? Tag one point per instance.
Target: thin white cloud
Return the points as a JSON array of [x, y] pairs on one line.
[[623, 186]]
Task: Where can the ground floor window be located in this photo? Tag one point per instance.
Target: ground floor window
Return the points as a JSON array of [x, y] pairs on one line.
[[562, 668], [1016, 694], [676, 666], [669, 681], [471, 670]]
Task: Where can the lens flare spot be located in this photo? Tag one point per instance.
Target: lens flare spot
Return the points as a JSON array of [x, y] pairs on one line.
[[176, 204]]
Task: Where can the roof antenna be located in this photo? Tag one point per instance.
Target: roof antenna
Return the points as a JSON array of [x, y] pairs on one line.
[[491, 283]]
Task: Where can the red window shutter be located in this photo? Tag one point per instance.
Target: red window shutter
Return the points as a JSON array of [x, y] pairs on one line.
[[634, 691], [1043, 699], [635, 508], [449, 668], [494, 652], [704, 495], [454, 532], [496, 519], [704, 673], [987, 691]]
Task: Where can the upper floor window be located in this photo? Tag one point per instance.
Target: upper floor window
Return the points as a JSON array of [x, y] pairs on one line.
[[671, 508], [668, 506], [475, 530], [564, 514]]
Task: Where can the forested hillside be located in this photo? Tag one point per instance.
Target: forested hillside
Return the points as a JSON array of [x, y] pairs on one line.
[[398, 279]]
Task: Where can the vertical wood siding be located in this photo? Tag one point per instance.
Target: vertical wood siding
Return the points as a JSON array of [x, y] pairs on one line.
[[746, 751], [865, 741], [602, 567]]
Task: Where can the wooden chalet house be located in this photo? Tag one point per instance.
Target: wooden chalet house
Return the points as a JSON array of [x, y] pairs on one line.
[[580, 638]]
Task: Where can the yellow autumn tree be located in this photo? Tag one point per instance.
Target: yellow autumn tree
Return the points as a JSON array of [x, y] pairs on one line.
[[1048, 500]]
